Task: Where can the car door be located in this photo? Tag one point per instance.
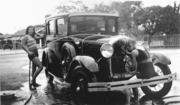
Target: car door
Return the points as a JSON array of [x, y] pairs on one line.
[[59, 34], [52, 40]]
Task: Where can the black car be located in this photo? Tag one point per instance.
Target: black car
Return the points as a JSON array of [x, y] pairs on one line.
[[7, 46], [85, 50]]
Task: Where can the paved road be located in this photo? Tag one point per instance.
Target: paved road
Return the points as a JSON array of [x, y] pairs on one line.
[[60, 95]]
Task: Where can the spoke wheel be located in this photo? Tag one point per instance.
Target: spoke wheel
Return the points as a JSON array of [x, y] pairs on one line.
[[79, 82], [161, 89], [66, 59]]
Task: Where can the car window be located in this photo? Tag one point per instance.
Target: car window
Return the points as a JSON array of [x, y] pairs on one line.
[[51, 28], [61, 27], [111, 25], [75, 21], [92, 24]]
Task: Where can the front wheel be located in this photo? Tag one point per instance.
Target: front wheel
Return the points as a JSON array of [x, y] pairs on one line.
[[79, 82], [161, 89]]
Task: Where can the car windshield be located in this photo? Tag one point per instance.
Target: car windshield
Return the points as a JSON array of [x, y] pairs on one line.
[[93, 24]]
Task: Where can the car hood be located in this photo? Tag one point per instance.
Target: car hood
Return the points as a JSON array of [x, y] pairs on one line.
[[110, 39]]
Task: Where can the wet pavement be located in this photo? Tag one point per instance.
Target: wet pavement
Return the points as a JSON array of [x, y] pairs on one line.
[[59, 94]]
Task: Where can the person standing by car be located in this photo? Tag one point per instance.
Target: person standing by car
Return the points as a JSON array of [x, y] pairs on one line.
[[30, 46]]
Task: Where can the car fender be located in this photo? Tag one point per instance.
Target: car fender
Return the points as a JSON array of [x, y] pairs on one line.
[[160, 58], [87, 62], [69, 48], [44, 58], [50, 55], [84, 61]]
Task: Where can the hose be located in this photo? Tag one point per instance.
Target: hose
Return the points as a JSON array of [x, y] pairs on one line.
[[29, 84]]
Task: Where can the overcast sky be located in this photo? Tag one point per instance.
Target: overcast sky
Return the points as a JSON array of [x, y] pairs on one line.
[[18, 14]]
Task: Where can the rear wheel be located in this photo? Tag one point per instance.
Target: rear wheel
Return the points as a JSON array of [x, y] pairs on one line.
[[67, 55], [161, 89], [49, 77], [66, 59]]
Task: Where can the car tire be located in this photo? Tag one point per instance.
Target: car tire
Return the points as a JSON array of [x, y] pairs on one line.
[[49, 77], [68, 52], [166, 86], [79, 82]]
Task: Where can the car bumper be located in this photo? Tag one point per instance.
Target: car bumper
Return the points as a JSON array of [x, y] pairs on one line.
[[121, 85]]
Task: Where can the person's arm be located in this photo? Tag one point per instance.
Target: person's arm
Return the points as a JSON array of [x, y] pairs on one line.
[[24, 45], [134, 61], [39, 36]]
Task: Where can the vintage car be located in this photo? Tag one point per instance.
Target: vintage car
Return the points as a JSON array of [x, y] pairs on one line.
[[7, 45], [85, 50]]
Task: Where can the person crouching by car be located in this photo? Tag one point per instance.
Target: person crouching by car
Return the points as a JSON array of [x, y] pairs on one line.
[[141, 61], [129, 47], [30, 46]]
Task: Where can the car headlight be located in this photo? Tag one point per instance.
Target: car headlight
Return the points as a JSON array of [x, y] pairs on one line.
[[107, 50]]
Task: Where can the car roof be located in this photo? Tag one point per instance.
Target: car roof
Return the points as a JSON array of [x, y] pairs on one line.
[[91, 13], [83, 14]]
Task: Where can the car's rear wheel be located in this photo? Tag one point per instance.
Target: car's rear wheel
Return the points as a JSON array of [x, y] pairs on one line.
[[49, 77], [67, 55], [79, 82], [66, 59], [161, 89]]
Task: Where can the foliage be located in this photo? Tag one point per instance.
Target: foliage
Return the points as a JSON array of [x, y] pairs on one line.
[[72, 6], [158, 19], [101, 8], [126, 10]]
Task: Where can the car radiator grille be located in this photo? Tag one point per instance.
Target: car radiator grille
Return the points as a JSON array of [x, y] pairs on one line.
[[117, 65]]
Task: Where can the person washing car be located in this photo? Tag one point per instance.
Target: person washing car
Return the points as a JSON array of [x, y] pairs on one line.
[[30, 46], [141, 62]]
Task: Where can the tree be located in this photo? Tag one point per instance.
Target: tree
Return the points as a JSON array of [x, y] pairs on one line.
[[126, 10], [72, 6], [156, 20], [101, 8]]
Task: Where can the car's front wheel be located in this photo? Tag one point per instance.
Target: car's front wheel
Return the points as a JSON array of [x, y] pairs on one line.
[[79, 82]]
